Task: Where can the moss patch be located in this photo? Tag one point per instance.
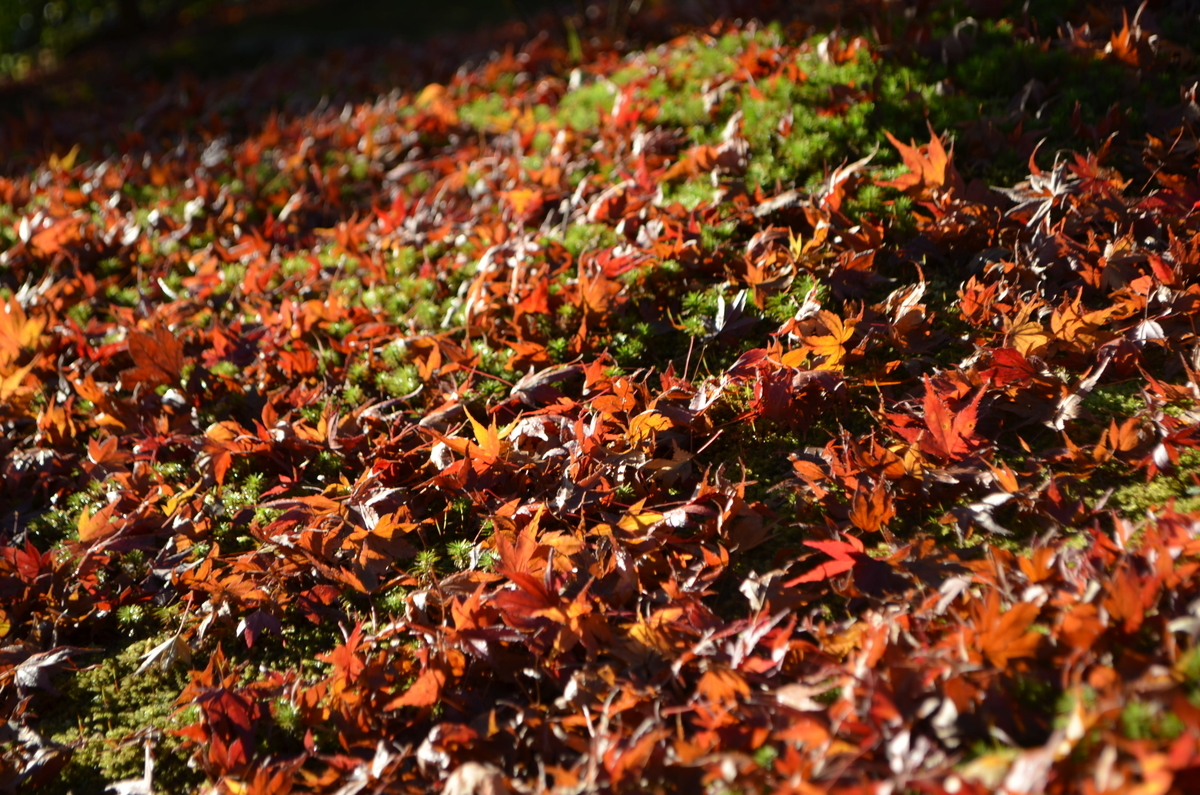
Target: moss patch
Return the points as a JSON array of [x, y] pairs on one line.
[[105, 713]]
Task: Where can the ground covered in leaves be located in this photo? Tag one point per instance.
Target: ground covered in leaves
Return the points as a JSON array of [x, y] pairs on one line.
[[786, 404]]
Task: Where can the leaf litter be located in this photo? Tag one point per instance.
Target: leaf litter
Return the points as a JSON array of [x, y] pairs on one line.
[[625, 420]]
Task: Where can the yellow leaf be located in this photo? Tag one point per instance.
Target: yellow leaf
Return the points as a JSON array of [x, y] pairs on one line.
[[175, 500], [722, 686], [96, 526], [644, 641], [486, 436], [5, 624], [523, 201], [795, 244], [18, 332], [223, 432], [10, 385], [67, 161], [989, 770], [646, 423], [831, 345], [1028, 338], [794, 358], [388, 527], [429, 94], [640, 523]]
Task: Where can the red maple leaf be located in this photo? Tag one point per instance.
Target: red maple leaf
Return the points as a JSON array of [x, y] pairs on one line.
[[844, 553], [949, 435]]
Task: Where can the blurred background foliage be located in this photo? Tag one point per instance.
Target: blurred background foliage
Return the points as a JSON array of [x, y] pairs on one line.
[[38, 32], [41, 30]]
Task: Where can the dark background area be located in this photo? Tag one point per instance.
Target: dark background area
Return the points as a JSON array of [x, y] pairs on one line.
[[138, 77], [112, 75], [214, 35], [120, 76]]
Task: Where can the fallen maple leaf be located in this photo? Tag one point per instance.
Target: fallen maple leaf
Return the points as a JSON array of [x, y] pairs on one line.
[[488, 438], [949, 435], [34, 672], [1004, 634], [424, 692], [166, 654], [345, 659], [929, 171], [845, 555], [871, 510], [157, 357]]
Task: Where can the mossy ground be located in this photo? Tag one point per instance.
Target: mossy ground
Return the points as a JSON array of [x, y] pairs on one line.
[[106, 713]]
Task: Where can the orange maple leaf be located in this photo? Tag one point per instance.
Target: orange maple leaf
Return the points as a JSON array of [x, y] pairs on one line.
[[832, 344], [929, 171], [18, 332], [346, 661], [424, 692], [1004, 634], [523, 201], [870, 510], [488, 439]]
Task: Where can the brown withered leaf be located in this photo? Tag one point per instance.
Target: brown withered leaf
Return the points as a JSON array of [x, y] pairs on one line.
[[157, 358]]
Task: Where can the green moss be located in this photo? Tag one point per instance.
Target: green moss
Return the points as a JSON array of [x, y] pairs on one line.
[[122, 296], [60, 522], [395, 354], [231, 276], [426, 563], [226, 369], [327, 466], [685, 108], [403, 380], [295, 266], [1116, 400], [1141, 720], [392, 601], [557, 348], [328, 359], [690, 194], [699, 309], [131, 616], [242, 492], [80, 313], [784, 306], [460, 553], [580, 109], [340, 328], [359, 372], [419, 183], [403, 262], [1135, 499], [104, 711], [630, 349], [588, 237], [311, 413], [295, 650], [712, 236]]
